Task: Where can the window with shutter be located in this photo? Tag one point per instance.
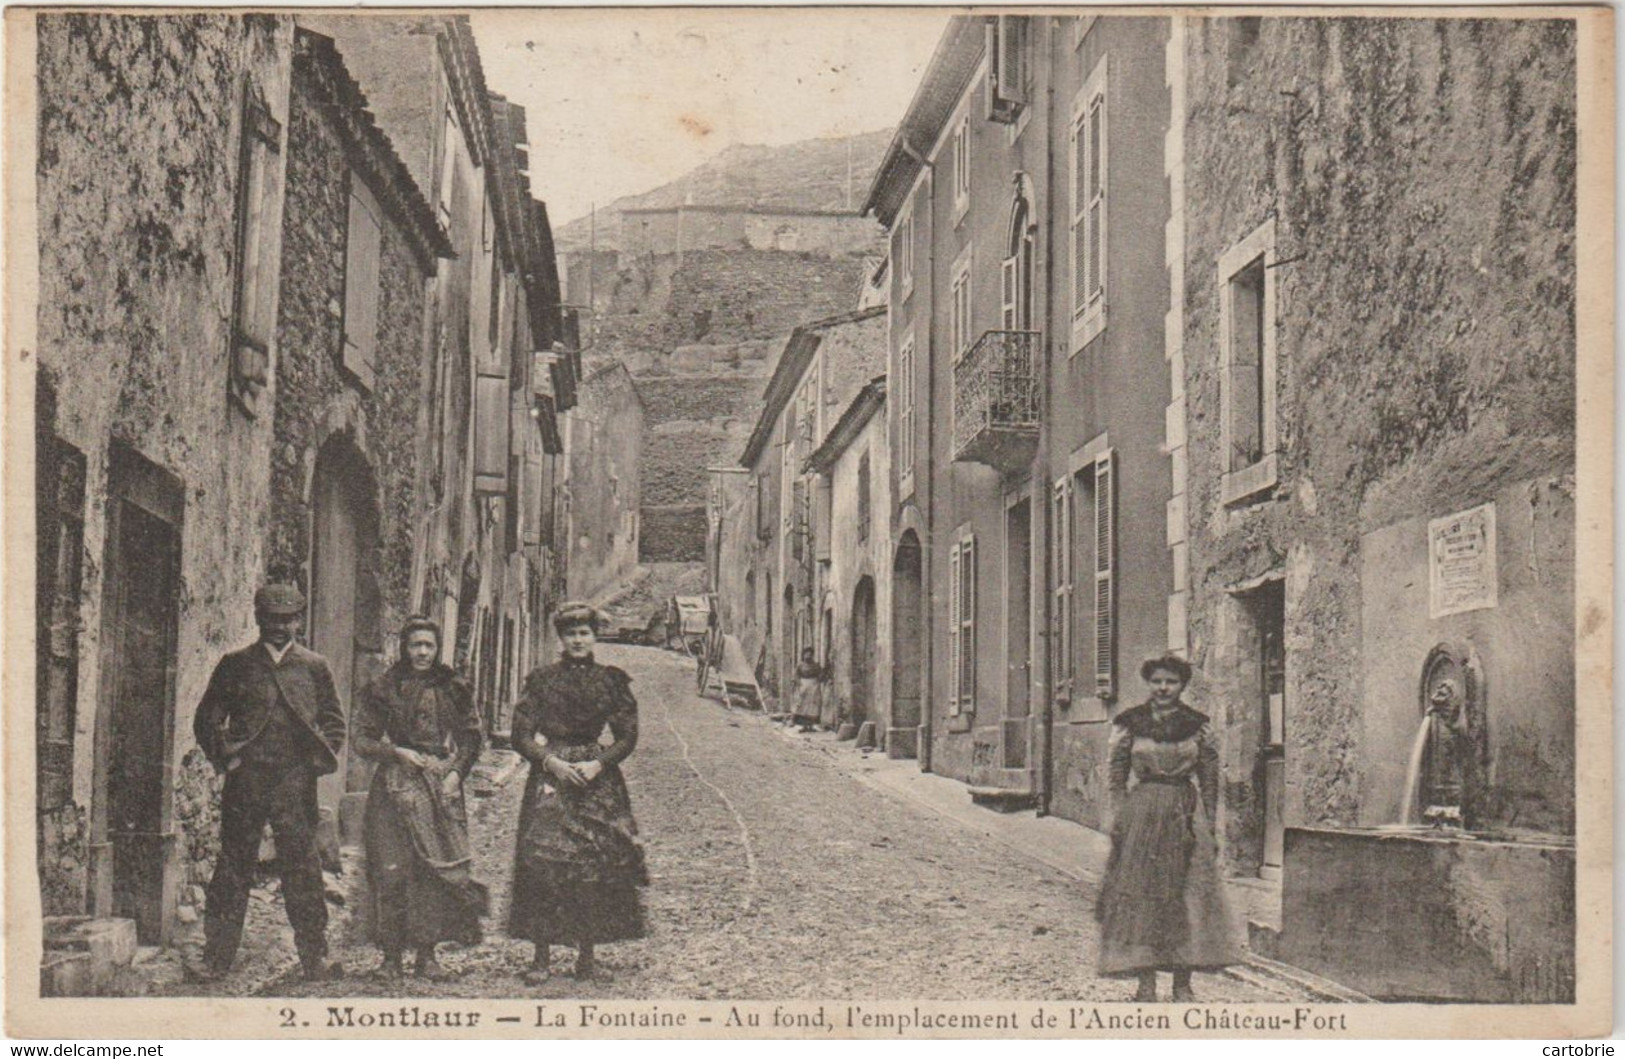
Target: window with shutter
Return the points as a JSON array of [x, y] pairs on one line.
[[1062, 655], [254, 294], [1089, 189], [961, 319], [905, 415], [865, 510], [967, 624], [1008, 76], [448, 159], [961, 149], [1247, 360], [1105, 575], [1010, 291], [904, 253], [823, 518], [491, 408], [362, 245]]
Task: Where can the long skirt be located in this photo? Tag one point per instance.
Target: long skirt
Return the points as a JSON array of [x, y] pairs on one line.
[[419, 884], [1162, 904], [809, 700], [578, 866]]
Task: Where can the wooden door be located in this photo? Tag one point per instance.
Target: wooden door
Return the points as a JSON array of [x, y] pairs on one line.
[[136, 718], [334, 542], [863, 650]]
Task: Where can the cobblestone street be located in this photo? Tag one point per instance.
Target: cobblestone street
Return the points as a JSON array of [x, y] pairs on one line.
[[777, 874]]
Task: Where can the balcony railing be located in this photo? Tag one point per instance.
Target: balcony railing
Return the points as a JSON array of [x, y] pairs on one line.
[[996, 400]]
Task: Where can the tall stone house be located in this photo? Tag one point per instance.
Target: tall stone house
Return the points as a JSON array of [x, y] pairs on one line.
[[1191, 352], [600, 495], [290, 325], [490, 560], [781, 599]]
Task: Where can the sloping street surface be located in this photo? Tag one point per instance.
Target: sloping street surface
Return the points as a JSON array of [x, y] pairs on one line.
[[779, 872]]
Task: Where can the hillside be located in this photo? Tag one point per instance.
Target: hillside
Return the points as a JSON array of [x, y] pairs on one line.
[[810, 175]]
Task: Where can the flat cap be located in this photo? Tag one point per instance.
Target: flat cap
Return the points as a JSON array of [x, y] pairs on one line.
[[279, 598]]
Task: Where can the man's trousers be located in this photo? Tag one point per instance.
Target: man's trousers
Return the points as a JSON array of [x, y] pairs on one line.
[[286, 798]]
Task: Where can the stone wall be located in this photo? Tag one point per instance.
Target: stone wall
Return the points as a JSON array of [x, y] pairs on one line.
[[316, 398], [138, 147], [655, 305], [672, 533], [1420, 174]]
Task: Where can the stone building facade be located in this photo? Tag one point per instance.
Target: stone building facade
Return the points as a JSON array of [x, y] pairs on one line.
[[1026, 416], [853, 545], [266, 351], [777, 613], [155, 481], [1356, 451], [1378, 402], [601, 501], [490, 565]]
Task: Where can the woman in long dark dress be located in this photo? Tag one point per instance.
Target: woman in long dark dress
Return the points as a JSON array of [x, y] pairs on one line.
[[1162, 904], [579, 865], [418, 723]]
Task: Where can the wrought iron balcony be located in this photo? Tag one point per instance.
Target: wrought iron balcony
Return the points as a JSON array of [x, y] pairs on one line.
[[996, 400]]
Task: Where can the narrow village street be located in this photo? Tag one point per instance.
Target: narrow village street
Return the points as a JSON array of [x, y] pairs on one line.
[[777, 874]]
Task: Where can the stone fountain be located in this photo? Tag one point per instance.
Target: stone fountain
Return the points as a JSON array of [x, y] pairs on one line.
[[1436, 906]]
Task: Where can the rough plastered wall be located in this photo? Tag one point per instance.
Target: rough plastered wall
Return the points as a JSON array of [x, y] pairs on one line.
[[317, 400], [137, 183], [1421, 174]]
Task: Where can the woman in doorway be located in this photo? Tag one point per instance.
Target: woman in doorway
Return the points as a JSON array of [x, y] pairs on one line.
[[418, 722], [1162, 904], [578, 865], [809, 691]]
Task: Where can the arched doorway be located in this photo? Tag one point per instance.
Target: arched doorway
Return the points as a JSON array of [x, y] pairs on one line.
[[344, 599], [863, 649], [908, 622]]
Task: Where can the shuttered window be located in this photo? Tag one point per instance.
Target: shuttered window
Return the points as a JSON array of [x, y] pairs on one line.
[[764, 506], [865, 502], [254, 296], [1008, 80], [904, 253], [961, 147], [450, 137], [1089, 185], [962, 625], [491, 408], [905, 413], [1010, 293], [1105, 524], [1062, 651], [961, 335], [362, 244]]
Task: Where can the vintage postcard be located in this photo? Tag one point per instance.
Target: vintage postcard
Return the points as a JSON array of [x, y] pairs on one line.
[[809, 522]]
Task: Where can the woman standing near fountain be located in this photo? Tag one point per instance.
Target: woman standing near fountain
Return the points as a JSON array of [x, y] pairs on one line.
[[1162, 905]]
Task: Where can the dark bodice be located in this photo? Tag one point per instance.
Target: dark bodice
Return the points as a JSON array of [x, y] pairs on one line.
[[569, 703], [431, 712], [1172, 748]]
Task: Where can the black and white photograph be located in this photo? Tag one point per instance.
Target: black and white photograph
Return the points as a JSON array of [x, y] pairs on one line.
[[809, 522]]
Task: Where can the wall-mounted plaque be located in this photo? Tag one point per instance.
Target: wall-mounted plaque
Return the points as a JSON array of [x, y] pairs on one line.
[[1461, 562]]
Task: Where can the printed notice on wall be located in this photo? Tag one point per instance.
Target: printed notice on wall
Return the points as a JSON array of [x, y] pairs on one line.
[[1461, 562]]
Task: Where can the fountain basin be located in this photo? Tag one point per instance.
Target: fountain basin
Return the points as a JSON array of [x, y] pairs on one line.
[[1417, 914]]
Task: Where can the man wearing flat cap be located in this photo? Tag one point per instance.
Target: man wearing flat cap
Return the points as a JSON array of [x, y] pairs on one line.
[[271, 721]]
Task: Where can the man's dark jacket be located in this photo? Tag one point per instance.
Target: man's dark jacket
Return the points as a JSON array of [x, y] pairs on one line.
[[243, 692]]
